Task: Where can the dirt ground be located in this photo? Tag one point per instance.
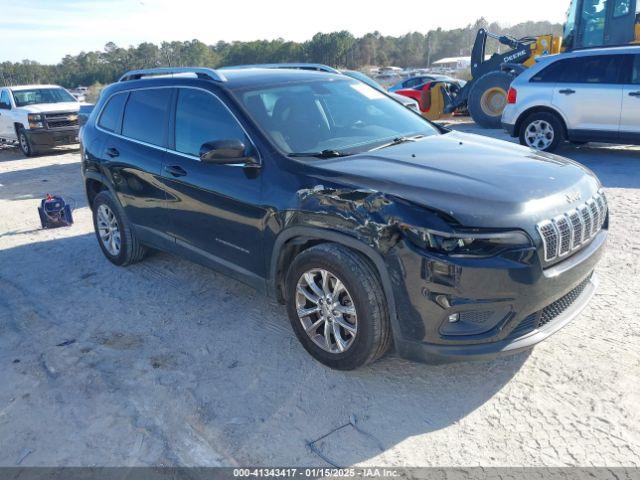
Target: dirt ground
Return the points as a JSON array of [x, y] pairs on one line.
[[168, 363]]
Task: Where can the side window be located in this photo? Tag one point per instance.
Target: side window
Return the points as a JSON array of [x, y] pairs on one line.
[[201, 118], [594, 14], [635, 74], [621, 8], [600, 69], [145, 115], [111, 116], [551, 74], [5, 103]]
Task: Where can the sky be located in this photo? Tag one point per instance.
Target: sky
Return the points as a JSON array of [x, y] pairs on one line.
[[47, 30]]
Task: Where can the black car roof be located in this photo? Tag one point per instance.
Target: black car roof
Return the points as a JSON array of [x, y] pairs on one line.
[[234, 79]]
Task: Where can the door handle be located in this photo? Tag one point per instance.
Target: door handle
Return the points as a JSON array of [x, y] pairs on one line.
[[113, 152], [176, 170], [567, 91], [634, 94]]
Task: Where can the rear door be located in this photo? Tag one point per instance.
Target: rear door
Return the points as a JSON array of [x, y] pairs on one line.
[[630, 118], [133, 153], [589, 96]]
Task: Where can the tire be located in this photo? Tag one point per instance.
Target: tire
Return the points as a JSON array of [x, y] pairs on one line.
[[549, 128], [24, 143], [362, 295], [106, 211], [488, 97]]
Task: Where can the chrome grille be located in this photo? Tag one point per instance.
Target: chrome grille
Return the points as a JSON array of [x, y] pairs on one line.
[[566, 233], [61, 120]]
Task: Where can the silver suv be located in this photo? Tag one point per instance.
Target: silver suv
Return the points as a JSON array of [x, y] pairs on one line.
[[583, 96]]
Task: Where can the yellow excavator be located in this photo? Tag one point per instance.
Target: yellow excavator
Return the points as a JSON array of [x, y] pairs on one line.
[[589, 24]]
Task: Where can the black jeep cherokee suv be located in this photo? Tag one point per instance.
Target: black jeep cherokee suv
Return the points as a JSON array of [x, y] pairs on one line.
[[374, 226]]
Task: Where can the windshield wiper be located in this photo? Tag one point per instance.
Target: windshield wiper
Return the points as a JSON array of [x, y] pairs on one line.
[[322, 154], [398, 141]]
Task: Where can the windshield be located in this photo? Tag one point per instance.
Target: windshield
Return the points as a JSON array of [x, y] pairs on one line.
[[363, 78], [41, 95], [336, 115]]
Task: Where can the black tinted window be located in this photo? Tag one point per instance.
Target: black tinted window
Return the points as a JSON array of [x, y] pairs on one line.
[[551, 74], [635, 75], [112, 114], [593, 69], [201, 118], [145, 115]]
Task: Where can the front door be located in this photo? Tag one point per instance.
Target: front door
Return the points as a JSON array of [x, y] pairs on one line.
[[6, 124], [630, 118], [215, 212], [589, 95]]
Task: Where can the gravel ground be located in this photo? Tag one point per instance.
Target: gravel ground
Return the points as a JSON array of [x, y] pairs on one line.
[[168, 363]]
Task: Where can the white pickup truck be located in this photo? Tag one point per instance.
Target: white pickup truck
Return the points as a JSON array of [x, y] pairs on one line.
[[38, 117]]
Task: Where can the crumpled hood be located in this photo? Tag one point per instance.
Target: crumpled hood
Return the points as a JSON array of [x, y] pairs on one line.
[[52, 107], [479, 181]]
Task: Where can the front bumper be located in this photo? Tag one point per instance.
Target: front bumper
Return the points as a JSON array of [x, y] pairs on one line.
[[47, 139], [521, 302]]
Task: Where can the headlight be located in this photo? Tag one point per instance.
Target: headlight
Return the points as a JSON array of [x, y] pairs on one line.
[[35, 121], [467, 243]]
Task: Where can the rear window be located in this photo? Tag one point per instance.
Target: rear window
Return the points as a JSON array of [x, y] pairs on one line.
[[145, 116], [112, 114]]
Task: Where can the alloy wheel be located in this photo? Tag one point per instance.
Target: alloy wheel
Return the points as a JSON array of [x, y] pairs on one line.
[[539, 134], [326, 310], [109, 230]]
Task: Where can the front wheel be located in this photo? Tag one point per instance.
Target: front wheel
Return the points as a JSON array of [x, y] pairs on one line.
[[541, 131], [337, 307], [488, 99], [24, 143]]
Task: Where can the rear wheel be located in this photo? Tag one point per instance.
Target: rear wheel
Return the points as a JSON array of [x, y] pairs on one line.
[[488, 98], [115, 235], [542, 131], [337, 307]]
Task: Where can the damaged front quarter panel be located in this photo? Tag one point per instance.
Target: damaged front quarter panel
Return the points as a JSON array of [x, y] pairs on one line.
[[373, 217]]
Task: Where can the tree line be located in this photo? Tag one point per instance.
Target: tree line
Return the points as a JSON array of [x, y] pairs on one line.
[[338, 49]]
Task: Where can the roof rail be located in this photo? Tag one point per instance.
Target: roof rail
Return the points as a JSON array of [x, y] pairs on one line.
[[296, 66], [201, 72]]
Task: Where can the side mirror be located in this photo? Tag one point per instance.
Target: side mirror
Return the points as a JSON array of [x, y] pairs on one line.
[[224, 152], [5, 106]]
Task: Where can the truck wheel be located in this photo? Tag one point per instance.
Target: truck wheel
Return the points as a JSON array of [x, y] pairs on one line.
[[24, 143], [337, 307], [115, 236], [488, 98], [542, 131]]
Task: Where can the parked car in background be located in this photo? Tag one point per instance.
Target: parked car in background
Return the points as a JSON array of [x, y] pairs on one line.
[[423, 95], [374, 226], [582, 96], [38, 117], [414, 82]]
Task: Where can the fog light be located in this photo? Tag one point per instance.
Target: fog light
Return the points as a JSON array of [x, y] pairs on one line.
[[454, 317]]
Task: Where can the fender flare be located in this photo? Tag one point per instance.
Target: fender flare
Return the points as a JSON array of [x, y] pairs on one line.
[[98, 177], [313, 233]]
